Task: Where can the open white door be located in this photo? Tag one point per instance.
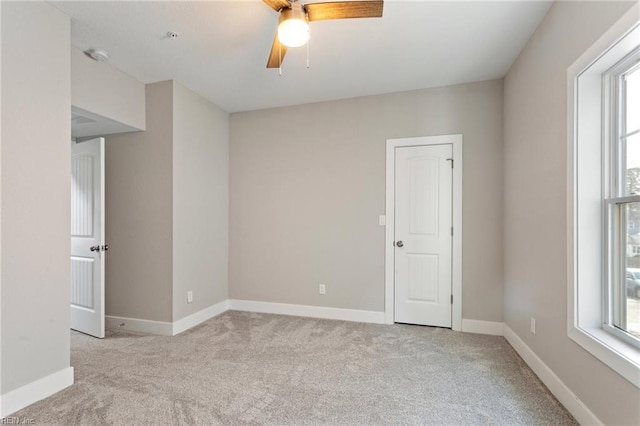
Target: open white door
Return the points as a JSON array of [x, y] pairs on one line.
[[423, 234], [87, 237]]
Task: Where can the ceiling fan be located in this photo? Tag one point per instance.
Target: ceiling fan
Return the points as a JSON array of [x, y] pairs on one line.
[[293, 24]]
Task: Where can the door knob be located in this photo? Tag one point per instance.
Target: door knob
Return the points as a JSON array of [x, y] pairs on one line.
[[94, 248], [399, 244], [105, 247]]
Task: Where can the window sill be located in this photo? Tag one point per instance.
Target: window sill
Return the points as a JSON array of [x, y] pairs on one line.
[[620, 356]]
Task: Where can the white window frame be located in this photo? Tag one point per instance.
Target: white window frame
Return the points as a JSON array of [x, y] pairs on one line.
[[615, 198], [588, 171]]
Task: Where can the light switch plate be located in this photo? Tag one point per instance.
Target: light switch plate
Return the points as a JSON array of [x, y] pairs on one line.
[[382, 220]]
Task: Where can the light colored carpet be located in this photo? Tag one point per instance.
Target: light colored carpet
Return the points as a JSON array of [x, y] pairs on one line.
[[244, 368]]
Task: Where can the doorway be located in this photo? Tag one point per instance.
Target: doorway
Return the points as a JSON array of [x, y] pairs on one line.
[[423, 252]]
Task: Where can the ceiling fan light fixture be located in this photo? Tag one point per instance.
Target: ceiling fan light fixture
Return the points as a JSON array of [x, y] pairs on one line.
[[293, 27]]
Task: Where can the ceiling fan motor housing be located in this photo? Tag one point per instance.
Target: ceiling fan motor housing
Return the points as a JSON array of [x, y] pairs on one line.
[[296, 11]]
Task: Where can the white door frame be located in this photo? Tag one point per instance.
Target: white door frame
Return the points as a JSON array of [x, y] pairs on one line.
[[456, 255]]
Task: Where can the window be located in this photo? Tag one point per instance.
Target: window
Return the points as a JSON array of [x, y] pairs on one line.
[[604, 199], [622, 199]]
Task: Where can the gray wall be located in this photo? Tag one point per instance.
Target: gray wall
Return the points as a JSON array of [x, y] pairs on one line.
[[139, 205], [167, 208], [307, 184], [535, 227], [35, 182], [104, 90], [200, 202]]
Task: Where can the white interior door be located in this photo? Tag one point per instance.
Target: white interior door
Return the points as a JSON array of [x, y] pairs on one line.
[[87, 237], [423, 235]]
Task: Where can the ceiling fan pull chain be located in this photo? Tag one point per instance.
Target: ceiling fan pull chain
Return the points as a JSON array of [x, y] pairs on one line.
[[280, 59], [306, 14]]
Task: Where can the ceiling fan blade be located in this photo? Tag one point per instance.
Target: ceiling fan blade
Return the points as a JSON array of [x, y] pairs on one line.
[[278, 51], [277, 4], [344, 10]]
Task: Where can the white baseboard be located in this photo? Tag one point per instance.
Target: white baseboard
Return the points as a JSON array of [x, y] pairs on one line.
[[26, 395], [571, 402], [482, 327], [307, 311], [576, 407], [199, 317], [139, 325], [165, 328]]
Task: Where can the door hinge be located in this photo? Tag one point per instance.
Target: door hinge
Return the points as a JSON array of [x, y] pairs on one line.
[[452, 231], [450, 159], [452, 299]]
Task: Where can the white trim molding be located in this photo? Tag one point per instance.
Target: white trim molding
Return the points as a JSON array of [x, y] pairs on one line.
[[323, 312], [456, 284], [482, 327], [165, 328], [139, 325], [587, 175], [199, 317], [571, 402], [35, 391]]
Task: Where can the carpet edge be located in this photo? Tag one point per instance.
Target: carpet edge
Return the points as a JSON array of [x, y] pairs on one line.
[[558, 388], [373, 317]]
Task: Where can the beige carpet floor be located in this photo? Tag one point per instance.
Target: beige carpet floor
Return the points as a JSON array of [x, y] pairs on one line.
[[244, 368]]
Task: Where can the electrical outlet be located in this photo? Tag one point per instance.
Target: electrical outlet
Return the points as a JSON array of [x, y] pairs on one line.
[[190, 296], [533, 325], [322, 289]]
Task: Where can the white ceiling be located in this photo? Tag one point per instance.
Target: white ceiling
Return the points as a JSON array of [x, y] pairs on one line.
[[223, 47]]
